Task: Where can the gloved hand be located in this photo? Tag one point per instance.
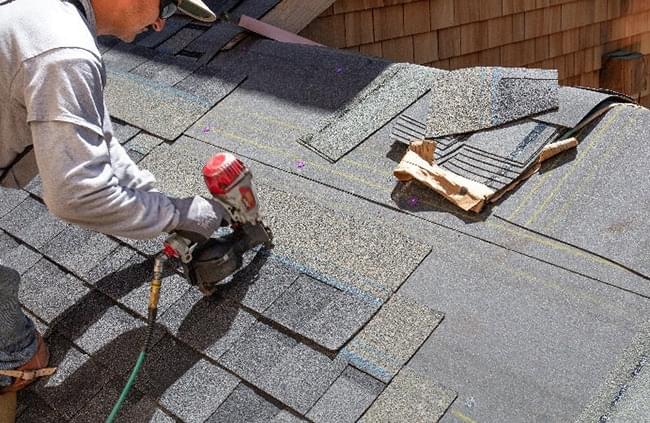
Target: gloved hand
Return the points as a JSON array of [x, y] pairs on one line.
[[199, 218]]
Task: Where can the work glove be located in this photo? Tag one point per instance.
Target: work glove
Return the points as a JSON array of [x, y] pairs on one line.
[[199, 218]]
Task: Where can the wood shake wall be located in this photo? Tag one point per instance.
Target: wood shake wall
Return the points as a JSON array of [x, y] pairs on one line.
[[571, 36]]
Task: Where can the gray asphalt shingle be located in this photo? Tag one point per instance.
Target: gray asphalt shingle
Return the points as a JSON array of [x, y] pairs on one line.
[[347, 399], [392, 337], [199, 392], [244, 406], [468, 100], [32, 223], [321, 312], [410, 398], [48, 292], [10, 199]]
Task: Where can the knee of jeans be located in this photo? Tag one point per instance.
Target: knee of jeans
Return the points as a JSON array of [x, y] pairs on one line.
[[9, 280]]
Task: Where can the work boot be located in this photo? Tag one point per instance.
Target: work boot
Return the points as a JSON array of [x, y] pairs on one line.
[[30, 371]]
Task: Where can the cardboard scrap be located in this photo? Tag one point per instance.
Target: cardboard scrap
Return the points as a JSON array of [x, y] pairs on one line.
[[418, 163]]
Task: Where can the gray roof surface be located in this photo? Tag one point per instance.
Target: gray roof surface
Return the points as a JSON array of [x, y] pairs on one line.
[[380, 301]]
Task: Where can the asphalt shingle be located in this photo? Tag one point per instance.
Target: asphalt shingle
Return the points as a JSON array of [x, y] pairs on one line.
[[77, 380], [10, 198], [16, 256], [32, 223], [244, 406], [48, 292], [166, 69], [347, 399], [79, 250], [199, 392], [126, 57], [301, 377], [393, 91], [210, 325], [410, 398], [391, 338], [177, 42], [468, 100], [123, 131], [321, 312], [101, 405], [143, 143], [129, 97]]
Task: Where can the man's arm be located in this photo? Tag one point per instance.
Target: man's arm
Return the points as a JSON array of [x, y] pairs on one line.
[[64, 101]]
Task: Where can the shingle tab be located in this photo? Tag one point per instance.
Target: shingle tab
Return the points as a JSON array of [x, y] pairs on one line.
[[321, 312], [302, 376], [199, 392], [10, 198], [79, 250], [16, 256], [48, 292], [167, 70], [391, 338], [123, 131], [126, 57], [129, 97], [77, 380], [410, 398], [256, 353], [244, 406], [347, 399], [136, 406], [208, 324], [32, 223]]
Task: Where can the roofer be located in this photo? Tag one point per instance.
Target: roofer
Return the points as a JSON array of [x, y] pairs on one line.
[[53, 121]]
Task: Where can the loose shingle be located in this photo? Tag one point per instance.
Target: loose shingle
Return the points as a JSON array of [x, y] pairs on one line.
[[575, 104], [129, 97], [391, 338], [347, 399], [208, 324], [244, 406], [32, 223], [199, 392], [321, 312], [410, 398], [48, 292], [469, 100]]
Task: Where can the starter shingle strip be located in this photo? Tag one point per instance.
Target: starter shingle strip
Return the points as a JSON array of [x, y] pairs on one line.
[[469, 100], [391, 338], [394, 90], [410, 398], [130, 97]]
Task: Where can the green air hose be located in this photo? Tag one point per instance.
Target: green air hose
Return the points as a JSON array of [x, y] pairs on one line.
[[154, 296]]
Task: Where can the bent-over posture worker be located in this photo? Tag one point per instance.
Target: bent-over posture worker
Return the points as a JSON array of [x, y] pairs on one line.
[[53, 121]]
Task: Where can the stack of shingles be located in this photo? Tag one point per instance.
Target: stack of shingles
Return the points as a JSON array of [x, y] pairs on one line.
[[491, 128]]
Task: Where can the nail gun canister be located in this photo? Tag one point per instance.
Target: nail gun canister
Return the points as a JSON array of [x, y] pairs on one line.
[[230, 182]]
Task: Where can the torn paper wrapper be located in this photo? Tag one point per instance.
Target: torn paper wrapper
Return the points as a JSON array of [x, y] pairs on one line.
[[418, 163]]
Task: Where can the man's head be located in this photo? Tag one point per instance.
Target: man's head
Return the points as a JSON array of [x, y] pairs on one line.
[[125, 19]]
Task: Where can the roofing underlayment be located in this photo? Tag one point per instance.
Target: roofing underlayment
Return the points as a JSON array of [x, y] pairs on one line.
[[381, 300]]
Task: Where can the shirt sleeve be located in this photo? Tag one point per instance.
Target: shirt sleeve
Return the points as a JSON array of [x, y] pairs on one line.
[[81, 187], [87, 180]]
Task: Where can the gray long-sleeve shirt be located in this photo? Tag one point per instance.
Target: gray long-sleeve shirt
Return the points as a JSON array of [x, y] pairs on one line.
[[51, 82]]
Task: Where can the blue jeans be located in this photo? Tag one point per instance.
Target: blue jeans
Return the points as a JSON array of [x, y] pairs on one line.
[[17, 332]]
